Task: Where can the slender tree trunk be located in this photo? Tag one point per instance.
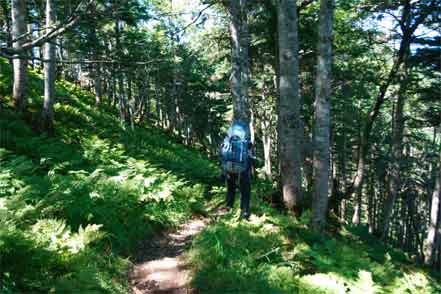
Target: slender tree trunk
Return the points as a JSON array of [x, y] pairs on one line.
[[322, 117], [113, 87], [98, 85], [356, 217], [244, 40], [289, 105], [158, 105], [18, 12], [434, 218], [266, 138], [252, 128], [121, 96], [49, 73], [240, 105], [342, 202], [145, 84], [371, 197], [397, 152], [129, 103]]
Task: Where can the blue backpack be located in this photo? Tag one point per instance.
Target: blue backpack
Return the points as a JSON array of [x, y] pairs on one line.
[[235, 149]]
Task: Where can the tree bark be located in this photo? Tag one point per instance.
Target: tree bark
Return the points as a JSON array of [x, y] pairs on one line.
[[18, 13], [322, 117], [289, 105], [98, 85], [240, 105], [49, 74], [397, 152], [244, 40], [434, 218], [121, 96], [370, 208], [266, 138]]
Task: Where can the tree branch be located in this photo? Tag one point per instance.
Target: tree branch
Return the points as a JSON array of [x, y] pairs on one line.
[[195, 19], [54, 32], [72, 20]]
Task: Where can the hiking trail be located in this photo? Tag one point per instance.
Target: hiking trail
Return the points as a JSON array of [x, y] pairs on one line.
[[161, 266]]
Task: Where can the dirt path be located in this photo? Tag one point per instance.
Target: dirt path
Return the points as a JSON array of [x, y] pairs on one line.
[[162, 268]]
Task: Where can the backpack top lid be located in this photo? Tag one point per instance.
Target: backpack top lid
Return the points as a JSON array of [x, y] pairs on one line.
[[239, 129]]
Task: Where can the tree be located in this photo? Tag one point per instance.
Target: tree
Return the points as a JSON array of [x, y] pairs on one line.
[[289, 133], [19, 28], [322, 116], [434, 221], [49, 73], [238, 60], [397, 152], [244, 40]]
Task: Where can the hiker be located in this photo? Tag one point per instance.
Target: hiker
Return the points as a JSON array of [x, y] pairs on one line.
[[237, 163]]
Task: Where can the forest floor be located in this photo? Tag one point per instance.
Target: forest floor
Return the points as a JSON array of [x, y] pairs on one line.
[[82, 211], [162, 266]]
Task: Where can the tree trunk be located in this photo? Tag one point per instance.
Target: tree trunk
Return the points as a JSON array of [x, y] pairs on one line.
[[244, 40], [129, 103], [158, 105], [113, 87], [322, 117], [121, 97], [49, 73], [356, 217], [266, 138], [397, 152], [266, 135], [18, 12], [289, 105], [434, 218], [371, 192], [240, 105], [146, 99], [98, 86]]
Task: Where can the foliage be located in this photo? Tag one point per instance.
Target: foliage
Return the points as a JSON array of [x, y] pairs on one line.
[[74, 208], [276, 253]]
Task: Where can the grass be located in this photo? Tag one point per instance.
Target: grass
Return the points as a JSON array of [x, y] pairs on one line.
[[75, 208], [277, 253]]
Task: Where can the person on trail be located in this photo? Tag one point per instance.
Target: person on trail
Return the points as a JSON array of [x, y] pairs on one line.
[[237, 160]]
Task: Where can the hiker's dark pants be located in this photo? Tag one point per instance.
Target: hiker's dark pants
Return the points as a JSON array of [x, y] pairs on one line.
[[244, 181]]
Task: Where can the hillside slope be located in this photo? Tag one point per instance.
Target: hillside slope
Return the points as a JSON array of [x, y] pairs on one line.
[[75, 208]]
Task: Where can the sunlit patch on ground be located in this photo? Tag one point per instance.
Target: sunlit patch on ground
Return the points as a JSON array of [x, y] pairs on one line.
[[164, 268]]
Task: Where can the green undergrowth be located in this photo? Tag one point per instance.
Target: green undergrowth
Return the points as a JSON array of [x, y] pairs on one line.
[[75, 208], [277, 253]]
